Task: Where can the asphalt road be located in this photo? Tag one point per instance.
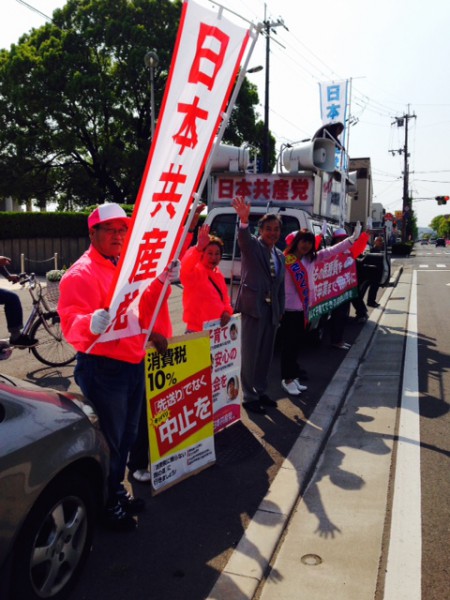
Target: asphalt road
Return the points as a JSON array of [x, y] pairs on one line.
[[373, 522], [188, 532]]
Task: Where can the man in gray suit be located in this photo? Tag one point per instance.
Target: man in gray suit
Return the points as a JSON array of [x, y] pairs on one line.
[[260, 300]]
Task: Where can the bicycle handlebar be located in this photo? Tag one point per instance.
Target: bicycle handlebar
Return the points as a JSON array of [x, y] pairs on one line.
[[25, 278]]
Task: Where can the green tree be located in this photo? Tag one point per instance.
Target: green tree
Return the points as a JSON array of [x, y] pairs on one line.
[[441, 225], [75, 102], [414, 227], [244, 125]]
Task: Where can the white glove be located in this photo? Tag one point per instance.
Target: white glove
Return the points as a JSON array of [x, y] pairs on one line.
[[100, 321], [172, 273], [356, 232], [324, 229]]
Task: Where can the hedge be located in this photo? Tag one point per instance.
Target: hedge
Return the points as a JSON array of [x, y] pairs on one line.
[[20, 225]]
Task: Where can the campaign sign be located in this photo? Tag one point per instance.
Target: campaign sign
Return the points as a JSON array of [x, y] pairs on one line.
[[335, 281], [226, 370], [180, 410]]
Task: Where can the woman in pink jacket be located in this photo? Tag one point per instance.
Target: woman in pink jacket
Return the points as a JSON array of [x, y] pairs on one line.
[[205, 294]]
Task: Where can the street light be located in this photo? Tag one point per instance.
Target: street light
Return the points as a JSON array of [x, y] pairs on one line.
[[255, 69], [151, 61]]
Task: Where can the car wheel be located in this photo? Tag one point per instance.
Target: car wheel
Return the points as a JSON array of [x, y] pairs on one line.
[[54, 541]]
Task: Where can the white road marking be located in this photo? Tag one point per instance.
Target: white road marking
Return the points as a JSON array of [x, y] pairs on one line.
[[404, 567], [441, 266], [423, 266]]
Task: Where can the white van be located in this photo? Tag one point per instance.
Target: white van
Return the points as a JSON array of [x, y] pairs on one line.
[[224, 223]]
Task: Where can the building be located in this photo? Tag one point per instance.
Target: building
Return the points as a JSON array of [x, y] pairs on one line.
[[9, 205], [378, 213], [360, 205]]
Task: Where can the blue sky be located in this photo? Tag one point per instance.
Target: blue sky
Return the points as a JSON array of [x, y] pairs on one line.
[[396, 54]]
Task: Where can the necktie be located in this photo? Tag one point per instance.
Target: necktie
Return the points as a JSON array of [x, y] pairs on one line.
[[273, 270]]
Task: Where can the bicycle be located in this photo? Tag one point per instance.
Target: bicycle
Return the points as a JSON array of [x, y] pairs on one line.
[[43, 324]]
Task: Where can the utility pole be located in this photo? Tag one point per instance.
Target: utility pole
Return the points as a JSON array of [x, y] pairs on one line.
[[268, 27], [406, 201]]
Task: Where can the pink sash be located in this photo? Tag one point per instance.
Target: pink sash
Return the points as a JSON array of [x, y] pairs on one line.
[[300, 278]]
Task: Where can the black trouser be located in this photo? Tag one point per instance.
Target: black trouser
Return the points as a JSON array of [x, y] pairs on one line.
[[337, 322], [291, 336], [139, 454]]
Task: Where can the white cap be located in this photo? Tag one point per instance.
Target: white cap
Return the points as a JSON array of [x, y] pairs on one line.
[[107, 212]]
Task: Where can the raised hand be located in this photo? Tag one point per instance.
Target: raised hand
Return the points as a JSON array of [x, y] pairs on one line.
[[203, 237], [242, 208]]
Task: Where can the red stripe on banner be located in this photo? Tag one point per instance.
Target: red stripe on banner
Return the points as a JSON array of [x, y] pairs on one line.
[[170, 177], [150, 156], [222, 110]]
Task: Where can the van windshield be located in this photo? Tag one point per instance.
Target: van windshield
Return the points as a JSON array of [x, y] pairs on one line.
[[225, 226]]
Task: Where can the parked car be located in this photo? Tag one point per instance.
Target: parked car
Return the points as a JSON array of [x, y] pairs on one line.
[[424, 242], [53, 469], [440, 242]]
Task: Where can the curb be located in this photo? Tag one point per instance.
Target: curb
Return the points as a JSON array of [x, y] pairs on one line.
[[247, 566]]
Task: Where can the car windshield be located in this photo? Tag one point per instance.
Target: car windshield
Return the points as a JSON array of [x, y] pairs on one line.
[[224, 226]]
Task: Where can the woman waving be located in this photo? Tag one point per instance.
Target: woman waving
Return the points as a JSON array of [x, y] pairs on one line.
[[205, 294]]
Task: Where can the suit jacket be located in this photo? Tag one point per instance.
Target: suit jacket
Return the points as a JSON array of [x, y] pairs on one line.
[[257, 283]]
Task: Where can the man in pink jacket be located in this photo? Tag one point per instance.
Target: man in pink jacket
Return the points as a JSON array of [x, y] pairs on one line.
[[111, 374]]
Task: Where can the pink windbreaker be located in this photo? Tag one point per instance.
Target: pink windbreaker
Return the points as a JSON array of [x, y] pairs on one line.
[[201, 300], [84, 289]]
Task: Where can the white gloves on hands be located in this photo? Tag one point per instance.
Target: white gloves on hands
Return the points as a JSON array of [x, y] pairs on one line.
[[100, 321], [356, 232], [172, 273]]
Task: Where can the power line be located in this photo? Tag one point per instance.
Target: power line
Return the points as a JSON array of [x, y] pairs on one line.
[[34, 9]]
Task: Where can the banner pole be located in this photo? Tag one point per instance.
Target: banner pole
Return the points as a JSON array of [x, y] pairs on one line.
[[197, 195]]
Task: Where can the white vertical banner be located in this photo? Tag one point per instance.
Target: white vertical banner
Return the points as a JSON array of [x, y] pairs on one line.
[[333, 109], [333, 101], [207, 56]]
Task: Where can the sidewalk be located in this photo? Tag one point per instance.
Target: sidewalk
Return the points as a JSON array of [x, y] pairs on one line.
[[369, 375]]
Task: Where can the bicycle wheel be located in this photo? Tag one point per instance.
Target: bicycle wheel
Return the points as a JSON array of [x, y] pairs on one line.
[[52, 349]]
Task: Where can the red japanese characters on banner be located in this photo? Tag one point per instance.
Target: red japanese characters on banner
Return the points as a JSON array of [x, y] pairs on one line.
[[207, 56], [261, 188]]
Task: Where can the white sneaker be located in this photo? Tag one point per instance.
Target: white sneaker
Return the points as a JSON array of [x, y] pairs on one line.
[[142, 475], [300, 386], [290, 388]]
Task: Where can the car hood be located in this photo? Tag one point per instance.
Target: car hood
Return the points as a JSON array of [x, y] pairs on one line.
[[28, 419]]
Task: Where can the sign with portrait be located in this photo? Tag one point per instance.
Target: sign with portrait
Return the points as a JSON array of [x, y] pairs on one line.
[[226, 369]]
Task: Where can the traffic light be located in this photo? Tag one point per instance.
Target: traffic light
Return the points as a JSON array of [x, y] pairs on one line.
[[441, 199]]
